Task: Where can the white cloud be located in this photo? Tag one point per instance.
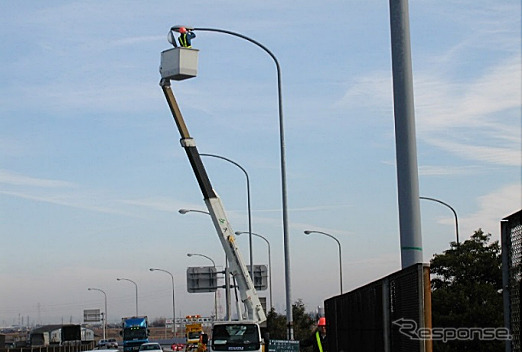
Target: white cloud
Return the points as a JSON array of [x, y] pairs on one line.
[[476, 120], [137, 40], [430, 170], [492, 208], [87, 202], [489, 154], [56, 192], [441, 105], [16, 179], [371, 91], [160, 203]]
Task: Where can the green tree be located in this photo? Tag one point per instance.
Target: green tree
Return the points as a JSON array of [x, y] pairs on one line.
[[467, 291], [303, 323], [158, 322], [276, 325]]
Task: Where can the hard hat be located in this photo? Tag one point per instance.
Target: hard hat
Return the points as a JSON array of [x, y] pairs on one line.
[[322, 322], [182, 30]]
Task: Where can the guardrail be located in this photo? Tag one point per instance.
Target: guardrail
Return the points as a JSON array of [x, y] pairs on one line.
[[65, 348]]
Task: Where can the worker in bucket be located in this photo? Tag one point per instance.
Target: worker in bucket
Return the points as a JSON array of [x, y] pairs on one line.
[[318, 340], [185, 37]]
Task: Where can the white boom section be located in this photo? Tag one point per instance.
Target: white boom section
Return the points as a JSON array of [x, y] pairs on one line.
[[225, 233], [237, 267]]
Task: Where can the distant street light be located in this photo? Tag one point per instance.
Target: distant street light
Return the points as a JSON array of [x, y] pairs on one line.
[[213, 264], [185, 211], [248, 201], [105, 311], [339, 253], [269, 254], [174, 310], [136, 290], [453, 211], [202, 255]]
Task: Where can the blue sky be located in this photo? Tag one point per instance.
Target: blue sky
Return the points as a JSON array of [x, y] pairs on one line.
[[92, 174]]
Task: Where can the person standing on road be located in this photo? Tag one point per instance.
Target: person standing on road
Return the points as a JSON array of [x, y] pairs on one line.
[[202, 343], [318, 340]]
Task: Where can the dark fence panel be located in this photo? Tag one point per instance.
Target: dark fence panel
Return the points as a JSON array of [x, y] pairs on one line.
[[406, 302], [511, 253], [363, 320]]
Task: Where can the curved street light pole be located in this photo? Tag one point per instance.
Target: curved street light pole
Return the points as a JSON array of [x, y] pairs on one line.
[[269, 254], [288, 303], [105, 312], [248, 202], [202, 255], [136, 290], [453, 211], [339, 253], [213, 264], [174, 309], [227, 279]]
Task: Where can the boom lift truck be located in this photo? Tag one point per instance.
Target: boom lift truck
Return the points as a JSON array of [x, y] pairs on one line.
[[242, 335]]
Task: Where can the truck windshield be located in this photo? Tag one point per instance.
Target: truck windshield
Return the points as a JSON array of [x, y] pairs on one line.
[[134, 334], [235, 337], [194, 335]]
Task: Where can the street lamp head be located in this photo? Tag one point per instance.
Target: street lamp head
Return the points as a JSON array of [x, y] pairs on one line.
[[190, 254], [151, 269], [185, 211], [177, 28], [89, 289], [307, 232], [171, 39], [118, 279]]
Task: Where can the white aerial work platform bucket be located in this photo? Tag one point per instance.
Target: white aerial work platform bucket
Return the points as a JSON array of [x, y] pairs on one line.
[[179, 63]]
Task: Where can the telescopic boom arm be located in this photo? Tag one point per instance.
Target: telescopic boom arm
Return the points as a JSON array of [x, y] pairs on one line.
[[225, 232]]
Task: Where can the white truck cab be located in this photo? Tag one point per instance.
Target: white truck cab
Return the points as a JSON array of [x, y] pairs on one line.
[[243, 335]]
